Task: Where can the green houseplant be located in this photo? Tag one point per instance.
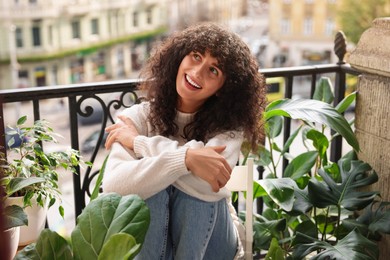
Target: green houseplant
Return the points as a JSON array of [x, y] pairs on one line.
[[110, 227], [31, 173], [316, 207]]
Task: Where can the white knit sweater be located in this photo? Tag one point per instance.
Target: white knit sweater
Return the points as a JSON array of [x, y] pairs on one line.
[[158, 162]]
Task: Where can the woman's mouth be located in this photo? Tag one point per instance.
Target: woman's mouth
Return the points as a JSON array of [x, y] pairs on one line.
[[192, 83]]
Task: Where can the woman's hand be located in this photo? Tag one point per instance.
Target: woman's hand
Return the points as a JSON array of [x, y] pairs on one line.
[[208, 164], [123, 132]]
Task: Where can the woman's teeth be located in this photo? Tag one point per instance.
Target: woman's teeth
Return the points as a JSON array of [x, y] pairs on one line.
[[192, 83]]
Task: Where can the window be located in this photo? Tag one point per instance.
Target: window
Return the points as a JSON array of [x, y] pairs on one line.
[[50, 29], [76, 29], [308, 26], [120, 68], [36, 35], [285, 26], [23, 81], [329, 27], [54, 73], [95, 26], [40, 76], [77, 70], [99, 66], [149, 16], [135, 19], [19, 37]]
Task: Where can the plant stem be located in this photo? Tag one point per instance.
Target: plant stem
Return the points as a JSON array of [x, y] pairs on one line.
[[338, 219], [315, 218], [326, 225], [272, 156]]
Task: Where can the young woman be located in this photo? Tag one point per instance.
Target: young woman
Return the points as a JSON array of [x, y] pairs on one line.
[[177, 150]]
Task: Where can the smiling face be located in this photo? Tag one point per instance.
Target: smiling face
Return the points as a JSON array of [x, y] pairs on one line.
[[198, 78]]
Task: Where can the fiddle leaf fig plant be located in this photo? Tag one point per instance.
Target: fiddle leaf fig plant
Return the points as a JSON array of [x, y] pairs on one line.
[[110, 227], [322, 208], [29, 170]]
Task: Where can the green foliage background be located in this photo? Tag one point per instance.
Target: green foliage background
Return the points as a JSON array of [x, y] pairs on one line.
[[356, 16]]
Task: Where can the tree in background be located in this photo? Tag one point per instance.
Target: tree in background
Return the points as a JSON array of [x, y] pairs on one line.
[[355, 17]]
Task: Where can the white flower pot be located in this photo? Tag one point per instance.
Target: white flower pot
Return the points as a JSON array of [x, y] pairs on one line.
[[12, 235], [36, 220]]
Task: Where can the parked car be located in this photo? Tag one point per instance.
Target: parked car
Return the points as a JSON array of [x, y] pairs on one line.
[[12, 133], [95, 118], [90, 143]]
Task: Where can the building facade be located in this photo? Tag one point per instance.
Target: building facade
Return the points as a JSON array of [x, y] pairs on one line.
[[185, 12], [55, 42], [301, 32]]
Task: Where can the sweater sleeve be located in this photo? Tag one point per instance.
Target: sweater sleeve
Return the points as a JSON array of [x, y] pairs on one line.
[[153, 146], [147, 176], [127, 174]]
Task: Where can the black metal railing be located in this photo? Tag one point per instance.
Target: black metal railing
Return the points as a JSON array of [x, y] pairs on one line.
[[89, 99]]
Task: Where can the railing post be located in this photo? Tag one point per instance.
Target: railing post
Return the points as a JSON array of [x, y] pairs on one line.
[[79, 196], [287, 121], [340, 49]]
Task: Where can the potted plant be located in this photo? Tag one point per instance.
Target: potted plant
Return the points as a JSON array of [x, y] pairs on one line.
[[31, 175], [110, 227], [316, 207], [14, 217]]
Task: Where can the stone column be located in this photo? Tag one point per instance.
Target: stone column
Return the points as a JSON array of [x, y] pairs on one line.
[[372, 120]]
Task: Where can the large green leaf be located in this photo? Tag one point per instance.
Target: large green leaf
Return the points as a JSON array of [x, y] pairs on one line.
[[307, 227], [346, 102], [353, 246], [275, 252], [96, 189], [265, 230], [274, 126], [313, 111], [300, 165], [290, 139], [374, 219], [302, 202], [323, 91], [49, 245], [355, 175], [106, 216], [14, 217], [119, 246], [320, 142], [281, 191], [380, 219], [18, 183]]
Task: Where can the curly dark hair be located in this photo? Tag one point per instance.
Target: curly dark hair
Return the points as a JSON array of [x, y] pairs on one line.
[[240, 102]]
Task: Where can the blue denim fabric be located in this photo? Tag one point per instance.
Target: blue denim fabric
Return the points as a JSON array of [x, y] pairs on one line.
[[184, 228]]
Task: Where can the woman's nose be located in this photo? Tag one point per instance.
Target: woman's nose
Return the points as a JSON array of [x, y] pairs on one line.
[[199, 69]]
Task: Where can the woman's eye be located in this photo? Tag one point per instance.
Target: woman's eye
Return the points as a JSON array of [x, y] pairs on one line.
[[214, 71], [196, 56]]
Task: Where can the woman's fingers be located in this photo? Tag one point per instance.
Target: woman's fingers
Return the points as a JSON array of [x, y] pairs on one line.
[[209, 165], [123, 132]]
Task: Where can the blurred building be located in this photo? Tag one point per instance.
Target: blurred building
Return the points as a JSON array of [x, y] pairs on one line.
[[301, 32], [185, 12], [52, 42]]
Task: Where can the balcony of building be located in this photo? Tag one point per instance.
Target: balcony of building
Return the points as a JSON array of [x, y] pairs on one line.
[[78, 107]]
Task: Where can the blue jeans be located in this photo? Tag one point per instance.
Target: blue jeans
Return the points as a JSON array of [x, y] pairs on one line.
[[184, 228]]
